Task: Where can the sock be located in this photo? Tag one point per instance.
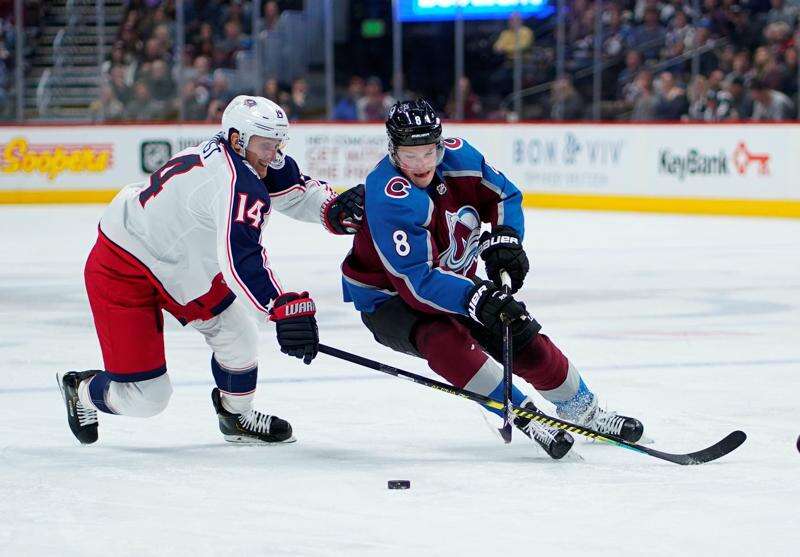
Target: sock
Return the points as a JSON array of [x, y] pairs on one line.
[[488, 380], [237, 388]]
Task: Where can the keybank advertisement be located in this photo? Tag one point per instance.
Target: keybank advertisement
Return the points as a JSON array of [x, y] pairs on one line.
[[744, 161]]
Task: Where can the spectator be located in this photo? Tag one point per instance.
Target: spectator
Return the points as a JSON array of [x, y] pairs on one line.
[[697, 95], [766, 68], [195, 101], [118, 57], [143, 106], [726, 58], [515, 36], [644, 100], [648, 38], [615, 33], [471, 106], [272, 13], [741, 68], [375, 104], [232, 42], [715, 80], [200, 72], [160, 82], [633, 65], [107, 106], [768, 104], [781, 13], [272, 90], [221, 87], [285, 102], [215, 109], [743, 33], [734, 102], [789, 71], [204, 35], [672, 103], [347, 108], [703, 41], [680, 36], [298, 99], [119, 84], [565, 101]]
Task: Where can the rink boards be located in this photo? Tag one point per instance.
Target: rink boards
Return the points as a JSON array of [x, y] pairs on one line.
[[734, 169]]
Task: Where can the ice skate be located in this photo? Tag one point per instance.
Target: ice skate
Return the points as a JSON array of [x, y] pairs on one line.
[[582, 409], [82, 419], [555, 442], [251, 427]]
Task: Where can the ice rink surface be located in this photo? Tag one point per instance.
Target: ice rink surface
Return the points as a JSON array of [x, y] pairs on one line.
[[690, 323]]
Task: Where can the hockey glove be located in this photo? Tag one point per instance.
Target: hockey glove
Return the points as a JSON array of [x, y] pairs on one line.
[[343, 214], [296, 325], [486, 306], [501, 250]]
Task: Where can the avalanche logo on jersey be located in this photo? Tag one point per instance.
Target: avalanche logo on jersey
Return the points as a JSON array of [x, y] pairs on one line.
[[453, 143], [398, 187], [463, 227]]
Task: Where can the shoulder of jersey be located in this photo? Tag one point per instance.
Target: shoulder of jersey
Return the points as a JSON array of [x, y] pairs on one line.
[[460, 152], [385, 185]]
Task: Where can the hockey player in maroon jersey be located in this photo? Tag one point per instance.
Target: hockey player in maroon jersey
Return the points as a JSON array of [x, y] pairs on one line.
[[412, 275], [188, 241]]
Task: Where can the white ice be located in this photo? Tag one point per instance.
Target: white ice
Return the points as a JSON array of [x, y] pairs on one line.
[[690, 323]]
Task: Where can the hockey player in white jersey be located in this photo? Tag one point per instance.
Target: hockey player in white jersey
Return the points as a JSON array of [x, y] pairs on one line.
[[188, 241]]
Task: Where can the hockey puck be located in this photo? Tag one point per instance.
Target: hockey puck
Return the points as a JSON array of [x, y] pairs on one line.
[[399, 484], [798, 443]]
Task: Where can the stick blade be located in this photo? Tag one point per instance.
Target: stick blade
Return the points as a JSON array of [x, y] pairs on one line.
[[505, 433], [728, 444]]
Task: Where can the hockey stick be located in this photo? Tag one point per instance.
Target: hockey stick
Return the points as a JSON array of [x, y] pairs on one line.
[[719, 449], [505, 431]]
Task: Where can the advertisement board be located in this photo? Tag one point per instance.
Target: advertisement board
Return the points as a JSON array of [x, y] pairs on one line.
[[608, 166]]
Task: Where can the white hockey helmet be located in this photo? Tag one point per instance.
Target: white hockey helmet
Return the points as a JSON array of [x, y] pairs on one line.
[[251, 115]]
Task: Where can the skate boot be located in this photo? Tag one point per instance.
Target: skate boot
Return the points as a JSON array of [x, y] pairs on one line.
[[582, 409], [555, 442], [82, 419], [251, 427]]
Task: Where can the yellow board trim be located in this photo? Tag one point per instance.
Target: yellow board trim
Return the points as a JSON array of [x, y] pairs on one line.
[[56, 196], [783, 208]]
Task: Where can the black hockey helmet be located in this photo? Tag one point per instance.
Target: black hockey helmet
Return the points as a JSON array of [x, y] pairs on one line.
[[413, 123]]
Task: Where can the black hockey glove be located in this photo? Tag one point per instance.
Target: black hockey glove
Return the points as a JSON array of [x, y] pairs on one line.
[[487, 303], [343, 214], [501, 250], [296, 325]]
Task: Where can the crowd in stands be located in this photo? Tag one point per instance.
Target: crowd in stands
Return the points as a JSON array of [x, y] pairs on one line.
[[746, 66], [32, 10]]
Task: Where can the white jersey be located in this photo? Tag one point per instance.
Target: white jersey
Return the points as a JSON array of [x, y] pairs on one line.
[[203, 213]]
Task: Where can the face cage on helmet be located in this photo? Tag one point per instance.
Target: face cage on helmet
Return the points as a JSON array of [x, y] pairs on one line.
[[393, 152]]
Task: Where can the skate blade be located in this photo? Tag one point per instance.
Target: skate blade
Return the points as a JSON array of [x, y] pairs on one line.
[[244, 440]]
